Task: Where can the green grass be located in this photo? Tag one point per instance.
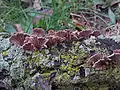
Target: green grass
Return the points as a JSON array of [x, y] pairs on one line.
[[13, 11], [61, 13]]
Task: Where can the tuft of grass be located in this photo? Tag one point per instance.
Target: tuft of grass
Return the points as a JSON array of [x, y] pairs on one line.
[[61, 13], [13, 11]]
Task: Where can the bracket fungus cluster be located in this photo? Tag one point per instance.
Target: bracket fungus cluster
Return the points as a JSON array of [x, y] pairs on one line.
[[101, 61], [39, 39]]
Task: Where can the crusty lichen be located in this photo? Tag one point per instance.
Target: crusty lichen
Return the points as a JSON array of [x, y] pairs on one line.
[[62, 66]]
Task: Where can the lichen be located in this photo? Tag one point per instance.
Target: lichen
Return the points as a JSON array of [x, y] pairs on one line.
[[60, 65]]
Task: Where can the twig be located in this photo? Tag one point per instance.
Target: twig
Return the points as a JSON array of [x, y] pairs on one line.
[[86, 20], [81, 17]]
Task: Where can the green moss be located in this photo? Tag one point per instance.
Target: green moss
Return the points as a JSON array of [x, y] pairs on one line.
[[4, 53], [70, 60], [46, 75]]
